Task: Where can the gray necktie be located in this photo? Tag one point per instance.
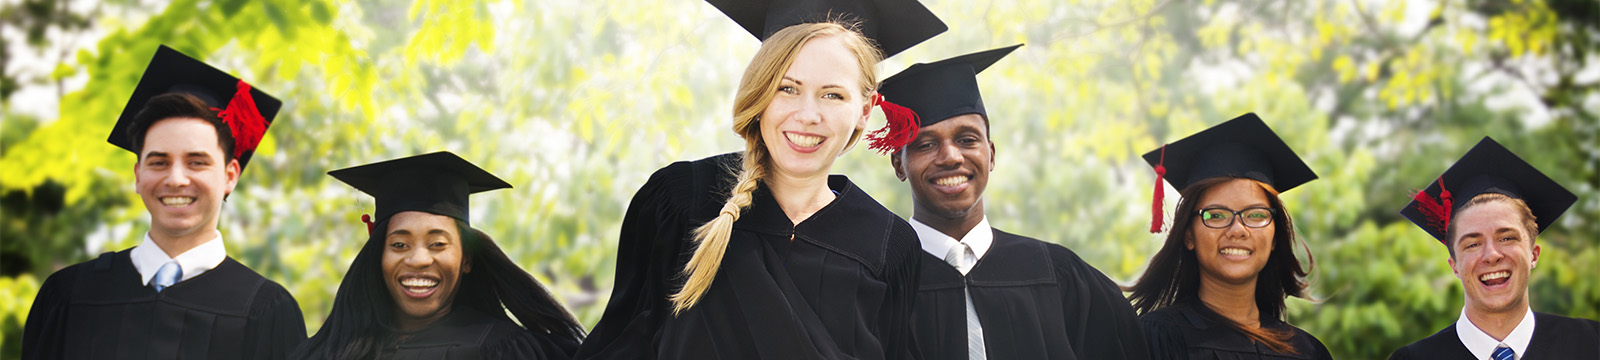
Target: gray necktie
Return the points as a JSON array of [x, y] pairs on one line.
[[962, 257], [167, 275]]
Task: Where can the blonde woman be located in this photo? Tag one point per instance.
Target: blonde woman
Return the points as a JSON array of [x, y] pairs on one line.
[[762, 254]]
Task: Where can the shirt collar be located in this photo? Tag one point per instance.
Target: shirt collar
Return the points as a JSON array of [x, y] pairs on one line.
[[148, 257], [1482, 345], [938, 244]]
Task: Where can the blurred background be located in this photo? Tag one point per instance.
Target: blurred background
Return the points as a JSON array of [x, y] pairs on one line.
[[576, 103]]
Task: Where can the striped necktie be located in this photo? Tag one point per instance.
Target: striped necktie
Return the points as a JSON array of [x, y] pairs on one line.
[[1503, 353], [962, 257]]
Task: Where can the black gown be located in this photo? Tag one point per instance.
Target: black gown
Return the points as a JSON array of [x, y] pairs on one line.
[[1036, 300], [100, 310], [1180, 331], [469, 334], [843, 289], [1554, 337]]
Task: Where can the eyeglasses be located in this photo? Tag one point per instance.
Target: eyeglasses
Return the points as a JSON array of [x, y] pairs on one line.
[[1222, 218]]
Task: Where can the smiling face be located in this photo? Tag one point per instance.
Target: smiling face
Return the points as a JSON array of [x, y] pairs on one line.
[[182, 177], [817, 106], [948, 167], [1494, 256], [423, 261], [1233, 255]]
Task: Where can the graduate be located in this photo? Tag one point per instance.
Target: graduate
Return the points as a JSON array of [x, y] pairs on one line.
[[426, 285], [1487, 210], [762, 254], [1216, 289], [986, 293], [177, 294]]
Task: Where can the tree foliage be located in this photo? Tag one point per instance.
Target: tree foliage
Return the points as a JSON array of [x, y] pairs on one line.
[[576, 102]]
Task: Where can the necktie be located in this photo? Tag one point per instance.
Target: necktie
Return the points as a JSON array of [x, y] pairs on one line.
[[962, 257], [1503, 353], [167, 275]]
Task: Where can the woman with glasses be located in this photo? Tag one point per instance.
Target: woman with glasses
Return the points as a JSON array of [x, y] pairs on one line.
[[1216, 288]]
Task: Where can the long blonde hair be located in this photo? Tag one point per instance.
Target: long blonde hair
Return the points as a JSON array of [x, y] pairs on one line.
[[756, 90]]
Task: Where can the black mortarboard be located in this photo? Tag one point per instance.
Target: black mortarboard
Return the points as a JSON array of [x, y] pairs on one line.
[[1487, 168], [895, 25], [944, 89], [171, 71], [1243, 147], [436, 183]]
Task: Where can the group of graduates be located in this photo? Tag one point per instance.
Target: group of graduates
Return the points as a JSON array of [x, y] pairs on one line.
[[764, 254]]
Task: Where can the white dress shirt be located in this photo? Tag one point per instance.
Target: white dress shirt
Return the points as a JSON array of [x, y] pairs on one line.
[[1482, 345], [148, 258], [938, 244]]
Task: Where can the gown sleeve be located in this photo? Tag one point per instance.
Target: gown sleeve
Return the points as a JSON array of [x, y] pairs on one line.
[[276, 326], [1111, 331], [653, 231], [902, 269], [44, 334]]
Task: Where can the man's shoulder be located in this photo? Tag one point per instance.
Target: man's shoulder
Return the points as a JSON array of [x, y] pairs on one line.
[[1440, 344]]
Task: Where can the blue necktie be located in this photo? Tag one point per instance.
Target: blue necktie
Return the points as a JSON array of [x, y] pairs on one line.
[[1503, 353], [167, 275]]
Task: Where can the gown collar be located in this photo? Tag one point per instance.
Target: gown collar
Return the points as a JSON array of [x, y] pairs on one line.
[[853, 224]]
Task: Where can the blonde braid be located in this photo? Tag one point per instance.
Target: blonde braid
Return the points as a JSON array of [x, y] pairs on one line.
[[756, 90], [711, 239]]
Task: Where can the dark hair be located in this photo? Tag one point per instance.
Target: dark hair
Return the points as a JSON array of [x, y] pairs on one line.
[[178, 105], [362, 319], [1530, 223], [1174, 274]]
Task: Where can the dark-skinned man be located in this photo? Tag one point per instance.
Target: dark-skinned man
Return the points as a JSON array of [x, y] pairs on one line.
[[985, 293]]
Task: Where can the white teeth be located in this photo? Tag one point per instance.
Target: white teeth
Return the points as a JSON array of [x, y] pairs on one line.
[[950, 180], [1235, 251], [1494, 275], [177, 201], [803, 140], [419, 282]]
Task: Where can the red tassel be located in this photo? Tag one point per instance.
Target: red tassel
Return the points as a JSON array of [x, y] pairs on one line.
[[368, 220], [901, 129], [244, 119], [1438, 212], [1156, 202]]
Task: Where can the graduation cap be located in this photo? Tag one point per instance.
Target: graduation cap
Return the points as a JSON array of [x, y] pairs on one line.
[[436, 183], [1243, 147], [895, 25], [1487, 168], [936, 91], [173, 72]]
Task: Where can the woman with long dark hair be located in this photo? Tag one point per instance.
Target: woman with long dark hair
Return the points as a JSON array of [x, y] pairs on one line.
[[426, 285], [1216, 289], [763, 253]]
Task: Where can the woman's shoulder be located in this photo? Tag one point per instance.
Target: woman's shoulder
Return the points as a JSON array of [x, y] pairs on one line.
[[1308, 345], [692, 185]]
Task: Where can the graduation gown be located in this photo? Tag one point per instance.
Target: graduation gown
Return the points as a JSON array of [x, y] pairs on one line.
[[1554, 337], [99, 310], [842, 289], [1180, 331], [1036, 300], [469, 334]]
